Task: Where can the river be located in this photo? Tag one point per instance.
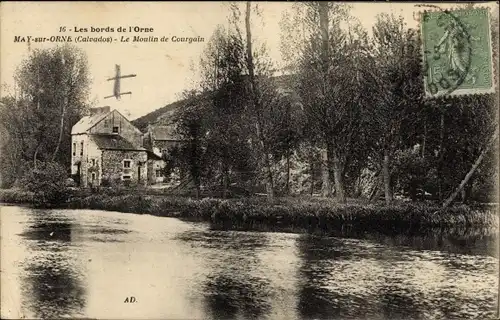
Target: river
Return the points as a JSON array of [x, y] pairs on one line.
[[97, 264]]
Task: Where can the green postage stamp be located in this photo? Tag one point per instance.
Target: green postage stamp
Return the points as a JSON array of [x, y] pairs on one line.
[[458, 55]]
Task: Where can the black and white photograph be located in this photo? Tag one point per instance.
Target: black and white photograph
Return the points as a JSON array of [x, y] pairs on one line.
[[249, 160]]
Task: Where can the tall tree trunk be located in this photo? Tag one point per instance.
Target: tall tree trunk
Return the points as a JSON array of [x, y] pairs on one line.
[[195, 166], [287, 188], [221, 166], [326, 189], [441, 157], [269, 180], [225, 181], [424, 138], [468, 190], [35, 155], [61, 131], [375, 193], [257, 108], [61, 126], [471, 172], [311, 164], [323, 21], [198, 190], [387, 177], [338, 178]]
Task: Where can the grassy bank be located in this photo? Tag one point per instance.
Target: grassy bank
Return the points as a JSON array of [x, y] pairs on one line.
[[287, 214]]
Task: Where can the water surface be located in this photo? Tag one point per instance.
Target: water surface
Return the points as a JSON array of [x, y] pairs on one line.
[[82, 263]]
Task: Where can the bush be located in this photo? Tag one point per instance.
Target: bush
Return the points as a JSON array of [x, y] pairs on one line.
[[15, 196], [47, 182]]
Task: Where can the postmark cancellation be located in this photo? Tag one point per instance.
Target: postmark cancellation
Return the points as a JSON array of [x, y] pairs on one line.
[[457, 52]]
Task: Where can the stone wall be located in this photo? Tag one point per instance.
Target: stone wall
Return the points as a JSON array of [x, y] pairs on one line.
[[76, 147], [79, 143], [113, 170], [93, 164]]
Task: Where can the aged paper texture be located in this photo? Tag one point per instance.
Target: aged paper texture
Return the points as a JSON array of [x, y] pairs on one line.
[[249, 160]]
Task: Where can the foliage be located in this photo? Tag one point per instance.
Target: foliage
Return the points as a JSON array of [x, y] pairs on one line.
[[226, 130], [16, 195], [190, 125], [352, 109], [411, 172], [51, 95], [47, 181], [331, 66]]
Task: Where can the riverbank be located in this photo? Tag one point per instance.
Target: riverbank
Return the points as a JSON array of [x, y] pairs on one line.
[[286, 214]]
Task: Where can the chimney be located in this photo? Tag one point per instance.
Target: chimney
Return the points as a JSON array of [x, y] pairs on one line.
[[94, 111]]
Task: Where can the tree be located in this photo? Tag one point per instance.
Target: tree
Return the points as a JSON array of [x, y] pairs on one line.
[[396, 80], [52, 87], [47, 181], [190, 126], [331, 67], [257, 105], [472, 170], [288, 131], [248, 119], [222, 79]]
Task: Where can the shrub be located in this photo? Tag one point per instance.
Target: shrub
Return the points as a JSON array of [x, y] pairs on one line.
[[15, 196], [47, 182], [105, 182]]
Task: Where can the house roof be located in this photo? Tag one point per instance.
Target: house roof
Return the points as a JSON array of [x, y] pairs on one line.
[[88, 122], [164, 132], [114, 142]]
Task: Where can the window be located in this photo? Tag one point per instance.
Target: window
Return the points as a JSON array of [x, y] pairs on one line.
[[126, 163], [158, 174], [81, 148], [93, 176], [115, 129], [74, 148], [126, 180], [106, 123], [93, 162]]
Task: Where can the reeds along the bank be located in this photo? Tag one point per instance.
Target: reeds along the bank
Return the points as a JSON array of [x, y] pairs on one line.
[[324, 216], [321, 216]]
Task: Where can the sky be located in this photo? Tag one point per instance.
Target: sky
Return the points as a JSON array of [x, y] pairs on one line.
[[164, 69]]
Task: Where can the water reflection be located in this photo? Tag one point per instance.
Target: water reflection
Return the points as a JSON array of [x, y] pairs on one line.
[[480, 241], [53, 286], [233, 286], [463, 240], [354, 279], [85, 263], [316, 300], [397, 295]]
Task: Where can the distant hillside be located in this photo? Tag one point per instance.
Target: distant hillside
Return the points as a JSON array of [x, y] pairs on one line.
[[163, 114], [155, 116]]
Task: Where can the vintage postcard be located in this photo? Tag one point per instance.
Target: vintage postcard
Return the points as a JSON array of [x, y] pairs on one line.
[[249, 160]]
